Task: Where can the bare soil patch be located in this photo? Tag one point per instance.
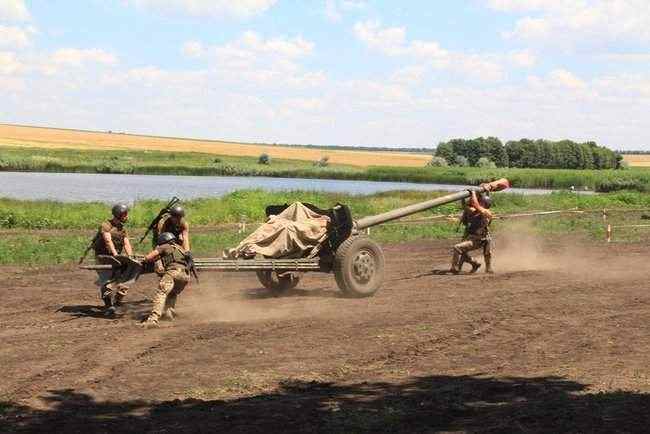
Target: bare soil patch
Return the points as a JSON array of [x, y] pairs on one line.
[[556, 341]]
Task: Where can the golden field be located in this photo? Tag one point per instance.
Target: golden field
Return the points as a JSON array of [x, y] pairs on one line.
[[637, 160], [75, 139]]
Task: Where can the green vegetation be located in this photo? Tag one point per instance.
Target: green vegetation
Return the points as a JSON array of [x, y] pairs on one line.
[[192, 163], [42, 232], [564, 154]]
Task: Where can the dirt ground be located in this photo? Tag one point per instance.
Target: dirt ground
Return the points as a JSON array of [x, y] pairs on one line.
[[558, 340]]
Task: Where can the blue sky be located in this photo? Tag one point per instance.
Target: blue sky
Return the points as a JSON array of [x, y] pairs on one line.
[[348, 72]]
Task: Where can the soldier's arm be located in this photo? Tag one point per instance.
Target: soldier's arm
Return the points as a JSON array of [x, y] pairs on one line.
[[127, 246], [152, 256], [108, 240], [474, 203], [185, 234]]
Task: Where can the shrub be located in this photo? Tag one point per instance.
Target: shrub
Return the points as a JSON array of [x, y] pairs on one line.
[[216, 160], [323, 162], [485, 163], [437, 162], [461, 160], [264, 159]]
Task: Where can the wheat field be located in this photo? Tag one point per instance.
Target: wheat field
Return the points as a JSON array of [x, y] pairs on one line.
[[637, 160], [27, 136]]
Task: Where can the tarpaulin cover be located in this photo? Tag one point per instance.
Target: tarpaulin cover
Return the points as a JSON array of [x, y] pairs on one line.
[[297, 232]]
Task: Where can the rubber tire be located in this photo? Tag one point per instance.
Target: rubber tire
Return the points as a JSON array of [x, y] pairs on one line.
[[278, 284], [344, 267]]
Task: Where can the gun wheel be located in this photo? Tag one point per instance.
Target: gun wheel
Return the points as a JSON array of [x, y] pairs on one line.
[[277, 283], [359, 266]]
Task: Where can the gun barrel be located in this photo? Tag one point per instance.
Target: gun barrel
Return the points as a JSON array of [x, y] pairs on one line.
[[395, 214]]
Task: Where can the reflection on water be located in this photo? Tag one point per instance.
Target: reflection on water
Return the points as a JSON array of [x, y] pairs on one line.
[[81, 187]]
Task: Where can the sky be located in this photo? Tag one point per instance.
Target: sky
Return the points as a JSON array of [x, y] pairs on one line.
[[331, 72]]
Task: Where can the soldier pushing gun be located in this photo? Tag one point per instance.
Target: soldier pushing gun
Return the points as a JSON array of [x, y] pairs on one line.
[[476, 218], [174, 267], [111, 240]]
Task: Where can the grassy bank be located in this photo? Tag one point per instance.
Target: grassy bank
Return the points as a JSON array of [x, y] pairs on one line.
[[202, 164], [41, 232]]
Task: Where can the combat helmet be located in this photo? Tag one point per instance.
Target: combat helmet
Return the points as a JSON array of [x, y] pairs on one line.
[[177, 211], [119, 209], [165, 238]]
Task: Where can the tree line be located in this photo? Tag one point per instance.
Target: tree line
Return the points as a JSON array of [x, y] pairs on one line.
[[526, 153]]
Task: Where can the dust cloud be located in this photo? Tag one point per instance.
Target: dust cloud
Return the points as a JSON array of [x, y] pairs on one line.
[[518, 248]]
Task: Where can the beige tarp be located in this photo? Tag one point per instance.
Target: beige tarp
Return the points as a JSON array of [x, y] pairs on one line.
[[294, 233]]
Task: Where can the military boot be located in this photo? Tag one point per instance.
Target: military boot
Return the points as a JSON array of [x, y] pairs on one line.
[[169, 314], [151, 322], [475, 266], [110, 311]]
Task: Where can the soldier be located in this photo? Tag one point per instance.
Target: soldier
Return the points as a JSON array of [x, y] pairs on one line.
[[174, 270], [174, 222], [112, 240], [476, 218]]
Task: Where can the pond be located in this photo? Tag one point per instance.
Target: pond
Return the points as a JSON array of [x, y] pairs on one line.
[[81, 187]]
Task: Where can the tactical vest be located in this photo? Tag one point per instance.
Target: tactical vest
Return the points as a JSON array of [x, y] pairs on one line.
[[166, 225], [172, 254], [476, 223], [117, 236]]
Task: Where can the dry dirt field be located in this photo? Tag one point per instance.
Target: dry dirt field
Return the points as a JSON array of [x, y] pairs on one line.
[[557, 341], [637, 160], [72, 139]]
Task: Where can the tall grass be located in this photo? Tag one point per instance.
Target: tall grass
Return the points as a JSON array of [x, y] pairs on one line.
[[31, 228], [193, 163], [249, 206]]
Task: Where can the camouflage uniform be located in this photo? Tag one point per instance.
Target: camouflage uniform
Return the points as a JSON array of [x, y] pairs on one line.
[[166, 224], [477, 235], [104, 277], [174, 277]]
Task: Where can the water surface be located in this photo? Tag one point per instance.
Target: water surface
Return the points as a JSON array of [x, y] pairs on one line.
[[82, 187]]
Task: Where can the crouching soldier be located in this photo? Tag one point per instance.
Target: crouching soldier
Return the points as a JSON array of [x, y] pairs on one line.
[[112, 240], [172, 265], [476, 218]]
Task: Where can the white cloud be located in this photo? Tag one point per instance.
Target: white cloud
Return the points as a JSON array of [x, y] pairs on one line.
[[387, 40], [193, 49], [285, 47], [14, 37], [392, 41], [625, 57], [409, 75], [210, 8], [335, 9], [259, 61], [566, 78], [13, 10], [573, 21], [9, 63], [79, 57], [332, 12], [523, 58]]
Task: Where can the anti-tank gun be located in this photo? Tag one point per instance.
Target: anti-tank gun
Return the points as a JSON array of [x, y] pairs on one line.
[[356, 261]]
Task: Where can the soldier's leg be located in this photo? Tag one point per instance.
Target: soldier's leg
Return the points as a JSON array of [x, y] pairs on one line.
[[103, 278], [165, 286], [487, 255], [181, 279], [459, 251]]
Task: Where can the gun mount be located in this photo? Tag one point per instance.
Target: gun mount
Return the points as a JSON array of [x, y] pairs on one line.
[[356, 261]]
